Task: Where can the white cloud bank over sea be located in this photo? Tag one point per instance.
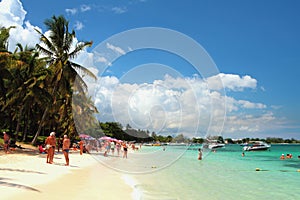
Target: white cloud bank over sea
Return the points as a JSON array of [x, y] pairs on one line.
[[169, 106]]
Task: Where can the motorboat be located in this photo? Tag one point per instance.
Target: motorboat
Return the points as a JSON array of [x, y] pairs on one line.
[[257, 146], [216, 145], [213, 144]]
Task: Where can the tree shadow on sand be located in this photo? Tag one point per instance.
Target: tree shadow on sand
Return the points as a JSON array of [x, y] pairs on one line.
[[3, 182], [21, 170]]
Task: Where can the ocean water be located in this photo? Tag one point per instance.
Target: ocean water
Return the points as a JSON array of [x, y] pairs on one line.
[[175, 173]]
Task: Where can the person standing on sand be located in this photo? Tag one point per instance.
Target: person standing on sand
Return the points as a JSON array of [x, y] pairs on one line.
[[125, 149], [118, 146], [81, 146], [50, 143], [59, 143], [6, 139], [66, 148], [112, 147]]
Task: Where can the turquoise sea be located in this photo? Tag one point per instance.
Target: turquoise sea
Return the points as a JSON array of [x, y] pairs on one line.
[[175, 173]]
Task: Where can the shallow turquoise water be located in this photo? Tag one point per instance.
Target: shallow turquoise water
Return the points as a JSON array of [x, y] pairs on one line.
[[224, 174]]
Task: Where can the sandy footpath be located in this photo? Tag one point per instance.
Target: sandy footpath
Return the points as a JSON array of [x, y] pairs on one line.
[[28, 176]]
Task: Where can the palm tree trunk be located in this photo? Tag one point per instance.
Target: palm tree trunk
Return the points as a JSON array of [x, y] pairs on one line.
[[18, 123], [25, 130], [40, 126], [47, 108]]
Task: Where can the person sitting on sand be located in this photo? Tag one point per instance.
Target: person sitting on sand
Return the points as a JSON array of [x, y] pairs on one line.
[[41, 149], [66, 148]]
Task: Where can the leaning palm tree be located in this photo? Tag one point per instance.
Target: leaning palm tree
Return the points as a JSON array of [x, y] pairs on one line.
[[57, 49]]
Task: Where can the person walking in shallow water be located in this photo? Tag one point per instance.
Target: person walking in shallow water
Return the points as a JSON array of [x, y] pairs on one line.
[[199, 154], [66, 149]]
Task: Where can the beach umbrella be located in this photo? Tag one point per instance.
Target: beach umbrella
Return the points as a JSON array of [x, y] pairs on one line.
[[105, 138], [116, 140], [84, 136]]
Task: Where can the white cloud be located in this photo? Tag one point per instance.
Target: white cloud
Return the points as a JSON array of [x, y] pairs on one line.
[[177, 105], [78, 25], [251, 105], [13, 13], [119, 10], [85, 8], [71, 11], [231, 81], [115, 49]]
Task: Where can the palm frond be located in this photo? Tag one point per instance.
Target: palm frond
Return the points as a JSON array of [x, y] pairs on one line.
[[79, 47], [84, 70]]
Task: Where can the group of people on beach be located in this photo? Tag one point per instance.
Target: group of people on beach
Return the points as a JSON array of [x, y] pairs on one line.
[[110, 146]]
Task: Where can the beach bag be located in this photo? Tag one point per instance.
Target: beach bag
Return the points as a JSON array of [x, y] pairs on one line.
[[48, 146]]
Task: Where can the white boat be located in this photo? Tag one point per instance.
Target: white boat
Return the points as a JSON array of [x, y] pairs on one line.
[[213, 144], [216, 145], [177, 144], [257, 146]]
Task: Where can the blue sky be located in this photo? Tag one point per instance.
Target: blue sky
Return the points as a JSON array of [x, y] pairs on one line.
[[256, 39]]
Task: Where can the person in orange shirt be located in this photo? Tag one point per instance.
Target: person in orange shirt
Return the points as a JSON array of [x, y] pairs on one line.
[[81, 146], [66, 148]]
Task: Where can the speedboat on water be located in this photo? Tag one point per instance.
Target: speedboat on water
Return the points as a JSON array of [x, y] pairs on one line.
[[213, 144], [216, 145], [257, 146]]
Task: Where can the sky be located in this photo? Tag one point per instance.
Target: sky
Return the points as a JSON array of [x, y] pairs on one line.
[[196, 67]]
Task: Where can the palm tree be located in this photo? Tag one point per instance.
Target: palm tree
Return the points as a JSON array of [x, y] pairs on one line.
[[4, 60], [27, 89], [57, 49], [4, 35]]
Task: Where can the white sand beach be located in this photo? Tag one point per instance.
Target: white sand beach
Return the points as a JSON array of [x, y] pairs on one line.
[[28, 176]]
